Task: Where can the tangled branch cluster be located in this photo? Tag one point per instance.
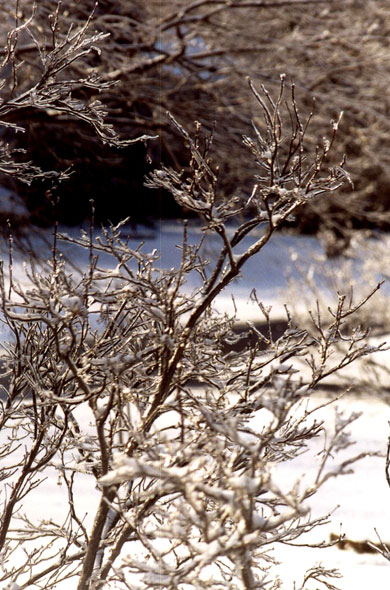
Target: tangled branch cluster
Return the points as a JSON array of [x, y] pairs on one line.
[[124, 378]]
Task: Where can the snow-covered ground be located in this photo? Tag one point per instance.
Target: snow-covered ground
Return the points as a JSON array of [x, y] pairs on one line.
[[362, 497], [285, 257], [358, 502], [267, 273]]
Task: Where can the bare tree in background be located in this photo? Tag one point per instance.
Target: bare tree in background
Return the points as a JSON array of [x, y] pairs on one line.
[[48, 73], [125, 382], [190, 58]]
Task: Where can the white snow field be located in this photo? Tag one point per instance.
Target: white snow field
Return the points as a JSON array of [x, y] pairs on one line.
[[358, 503]]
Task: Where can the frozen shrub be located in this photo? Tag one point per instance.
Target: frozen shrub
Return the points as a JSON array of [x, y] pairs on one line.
[[123, 381]]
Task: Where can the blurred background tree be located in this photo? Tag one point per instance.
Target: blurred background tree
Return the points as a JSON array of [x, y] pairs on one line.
[[190, 58]]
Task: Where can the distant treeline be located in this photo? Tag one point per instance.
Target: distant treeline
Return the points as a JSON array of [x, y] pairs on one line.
[[191, 59]]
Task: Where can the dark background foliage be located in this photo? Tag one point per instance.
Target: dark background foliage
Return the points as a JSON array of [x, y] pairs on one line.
[[192, 58]]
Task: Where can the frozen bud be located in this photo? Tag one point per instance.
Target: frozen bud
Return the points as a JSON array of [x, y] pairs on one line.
[[74, 304], [89, 340], [161, 174]]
